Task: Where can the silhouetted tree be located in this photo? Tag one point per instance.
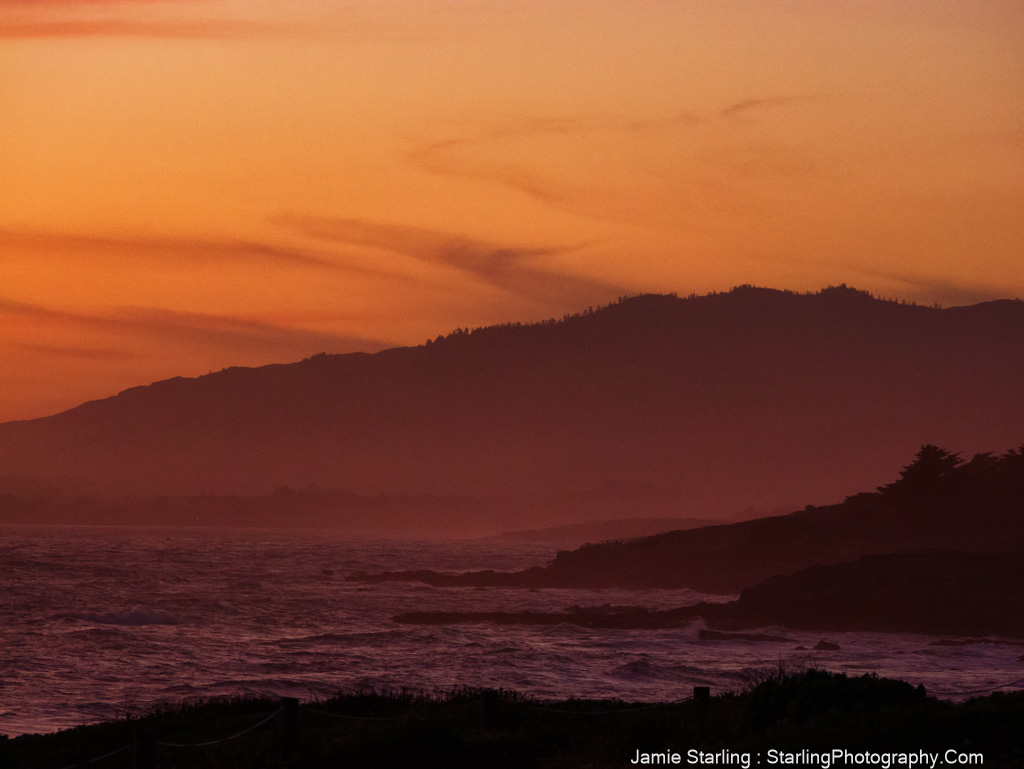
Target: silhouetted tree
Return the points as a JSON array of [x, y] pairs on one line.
[[927, 478]]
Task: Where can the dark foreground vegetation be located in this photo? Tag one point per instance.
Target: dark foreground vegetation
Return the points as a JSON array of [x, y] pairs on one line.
[[811, 711]]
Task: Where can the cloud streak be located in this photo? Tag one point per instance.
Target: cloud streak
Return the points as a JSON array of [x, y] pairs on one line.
[[927, 289], [209, 29], [182, 251], [753, 105], [510, 269], [235, 334], [81, 353], [222, 20], [946, 292], [453, 156], [40, 19]]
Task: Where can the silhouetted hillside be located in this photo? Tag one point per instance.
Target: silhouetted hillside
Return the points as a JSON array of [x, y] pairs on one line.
[[652, 406], [932, 592], [600, 531], [939, 502], [940, 593]]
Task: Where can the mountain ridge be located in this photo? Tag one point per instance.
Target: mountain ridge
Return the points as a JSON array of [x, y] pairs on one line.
[[752, 397]]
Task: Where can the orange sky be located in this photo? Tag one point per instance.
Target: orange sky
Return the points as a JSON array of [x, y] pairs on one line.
[[196, 184]]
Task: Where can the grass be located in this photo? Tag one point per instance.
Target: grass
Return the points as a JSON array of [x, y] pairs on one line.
[[500, 729]]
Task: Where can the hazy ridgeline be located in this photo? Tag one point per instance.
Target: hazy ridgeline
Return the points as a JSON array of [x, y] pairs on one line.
[[655, 406]]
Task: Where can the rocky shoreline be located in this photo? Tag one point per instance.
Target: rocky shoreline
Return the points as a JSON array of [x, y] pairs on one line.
[[935, 593]]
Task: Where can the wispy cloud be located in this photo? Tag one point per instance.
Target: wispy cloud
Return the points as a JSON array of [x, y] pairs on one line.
[[904, 284], [475, 157], [513, 269], [144, 327], [752, 105], [237, 333], [27, 19], [81, 353], [24, 5], [13, 307], [936, 289], [211, 29], [478, 155], [226, 20], [73, 3], [190, 252]]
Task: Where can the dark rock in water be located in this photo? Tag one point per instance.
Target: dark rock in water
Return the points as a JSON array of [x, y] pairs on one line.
[[937, 593], [800, 648], [826, 646], [713, 635]]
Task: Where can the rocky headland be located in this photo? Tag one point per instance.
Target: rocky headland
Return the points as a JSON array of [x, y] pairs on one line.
[[930, 592]]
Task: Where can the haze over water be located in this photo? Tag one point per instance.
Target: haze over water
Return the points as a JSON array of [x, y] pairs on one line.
[[98, 622]]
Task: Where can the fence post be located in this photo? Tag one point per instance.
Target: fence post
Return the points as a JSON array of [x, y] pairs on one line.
[[289, 724], [145, 752]]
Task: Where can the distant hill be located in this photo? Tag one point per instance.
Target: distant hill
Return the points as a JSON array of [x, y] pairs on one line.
[[939, 502], [655, 406], [599, 531]]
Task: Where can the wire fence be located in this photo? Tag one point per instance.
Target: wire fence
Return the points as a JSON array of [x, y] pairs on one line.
[[982, 690], [484, 700], [100, 758], [223, 739]]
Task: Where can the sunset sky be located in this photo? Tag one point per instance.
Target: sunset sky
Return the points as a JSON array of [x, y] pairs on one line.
[[197, 184]]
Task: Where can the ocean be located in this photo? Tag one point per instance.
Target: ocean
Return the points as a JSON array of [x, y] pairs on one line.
[[97, 623]]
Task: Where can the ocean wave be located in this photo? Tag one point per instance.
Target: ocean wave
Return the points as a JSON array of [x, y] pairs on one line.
[[647, 670], [347, 639], [639, 669], [134, 617], [283, 634]]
